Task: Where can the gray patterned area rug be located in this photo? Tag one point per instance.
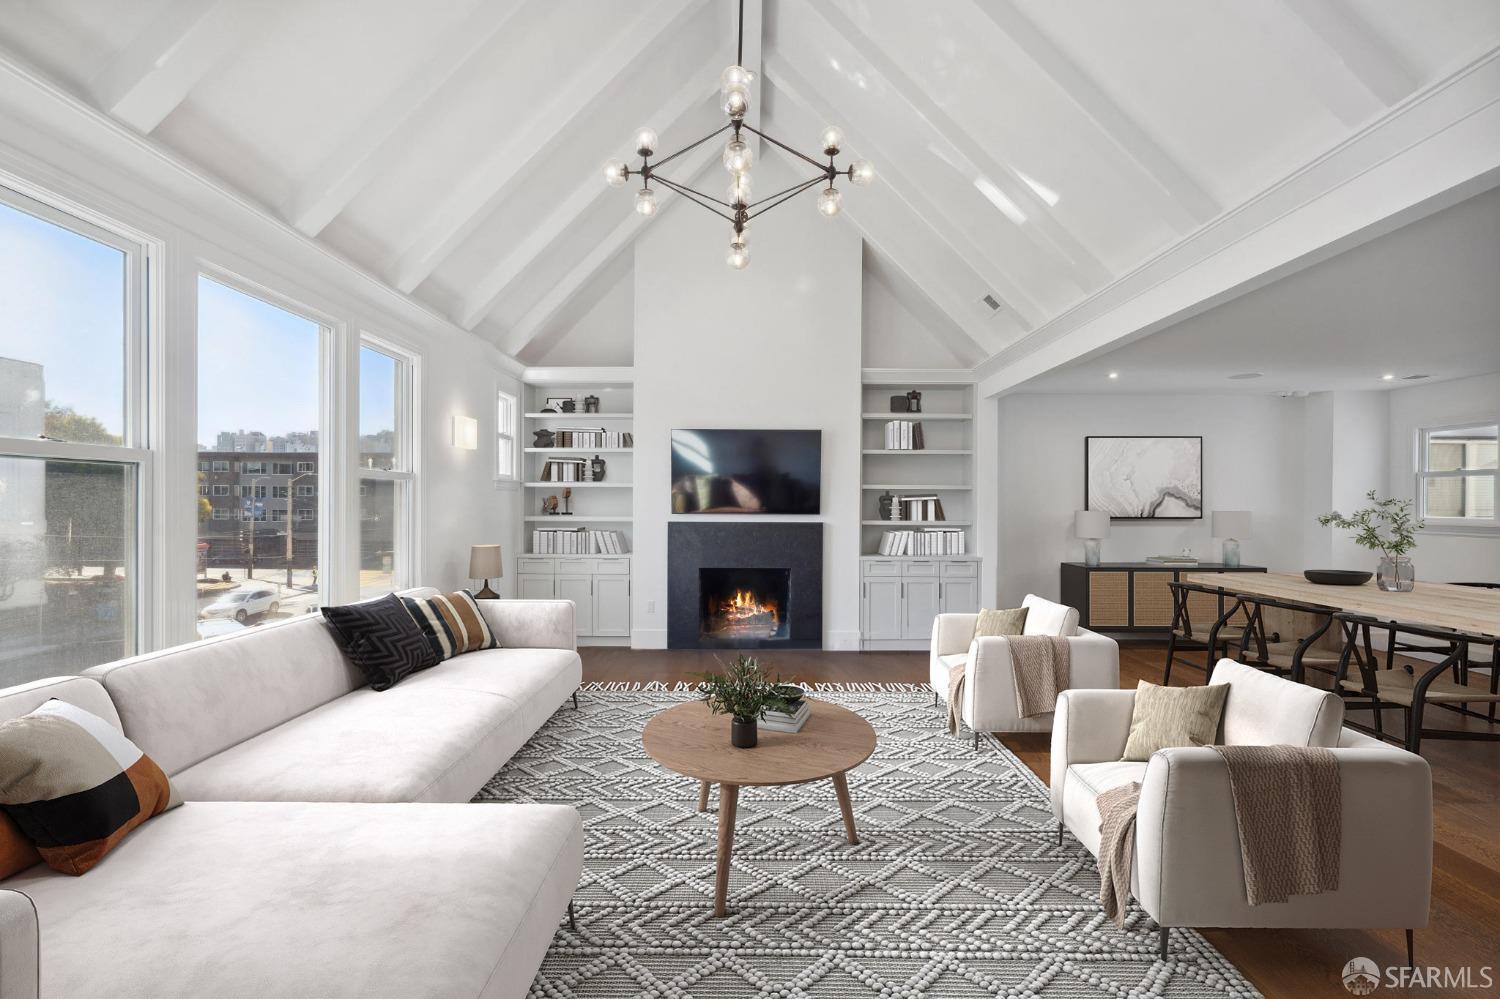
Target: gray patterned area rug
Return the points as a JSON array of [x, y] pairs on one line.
[[957, 889]]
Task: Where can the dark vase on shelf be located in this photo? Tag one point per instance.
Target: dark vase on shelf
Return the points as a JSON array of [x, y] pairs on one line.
[[598, 468], [743, 734]]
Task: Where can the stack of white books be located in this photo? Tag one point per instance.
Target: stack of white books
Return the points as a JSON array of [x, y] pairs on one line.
[[781, 721]]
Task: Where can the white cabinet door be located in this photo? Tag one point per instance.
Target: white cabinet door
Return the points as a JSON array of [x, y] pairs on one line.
[[612, 605], [919, 606], [534, 587], [580, 590], [960, 596], [882, 607]]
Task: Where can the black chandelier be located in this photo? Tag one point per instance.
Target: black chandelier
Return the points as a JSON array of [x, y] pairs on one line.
[[739, 156]]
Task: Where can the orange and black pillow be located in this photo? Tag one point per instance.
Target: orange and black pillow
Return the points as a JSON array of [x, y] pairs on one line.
[[452, 623], [74, 785]]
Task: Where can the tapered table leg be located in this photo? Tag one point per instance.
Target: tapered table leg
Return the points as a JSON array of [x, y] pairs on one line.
[[729, 798], [841, 786], [703, 796]]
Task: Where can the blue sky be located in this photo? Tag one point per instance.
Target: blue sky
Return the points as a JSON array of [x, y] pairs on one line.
[[61, 306]]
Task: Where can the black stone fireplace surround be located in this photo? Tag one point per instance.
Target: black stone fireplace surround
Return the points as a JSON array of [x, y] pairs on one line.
[[796, 547]]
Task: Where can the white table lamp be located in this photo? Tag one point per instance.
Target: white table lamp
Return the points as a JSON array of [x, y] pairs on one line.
[[1233, 526], [485, 563], [1091, 526]]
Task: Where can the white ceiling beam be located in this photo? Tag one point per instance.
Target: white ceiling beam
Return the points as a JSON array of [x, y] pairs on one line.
[[531, 325], [153, 74], [1051, 236], [1187, 197], [789, 84], [674, 115], [751, 58], [1377, 67], [384, 134], [594, 80]]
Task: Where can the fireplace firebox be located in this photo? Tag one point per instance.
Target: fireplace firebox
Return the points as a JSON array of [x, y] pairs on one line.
[[745, 586], [743, 604]]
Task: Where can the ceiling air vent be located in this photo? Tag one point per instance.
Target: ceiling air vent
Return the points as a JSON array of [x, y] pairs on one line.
[[992, 302], [1414, 378]]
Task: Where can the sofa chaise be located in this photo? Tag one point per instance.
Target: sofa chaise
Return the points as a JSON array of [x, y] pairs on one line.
[[326, 847]]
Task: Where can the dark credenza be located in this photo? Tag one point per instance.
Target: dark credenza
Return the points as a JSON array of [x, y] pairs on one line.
[[1132, 598]]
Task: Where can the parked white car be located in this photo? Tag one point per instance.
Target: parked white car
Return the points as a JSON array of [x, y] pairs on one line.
[[244, 603], [216, 626]]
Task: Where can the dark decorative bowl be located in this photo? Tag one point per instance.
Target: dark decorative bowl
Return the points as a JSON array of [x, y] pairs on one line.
[[1337, 577], [790, 692]]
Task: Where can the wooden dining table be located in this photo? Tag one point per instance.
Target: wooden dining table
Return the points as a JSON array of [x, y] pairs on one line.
[[1473, 610]]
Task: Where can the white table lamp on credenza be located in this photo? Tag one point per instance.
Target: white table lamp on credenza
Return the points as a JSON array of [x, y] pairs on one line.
[[1233, 526], [485, 563], [1091, 526]]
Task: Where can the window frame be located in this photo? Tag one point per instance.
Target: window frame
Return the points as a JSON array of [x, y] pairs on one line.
[[506, 400], [138, 428], [405, 459], [1453, 525]]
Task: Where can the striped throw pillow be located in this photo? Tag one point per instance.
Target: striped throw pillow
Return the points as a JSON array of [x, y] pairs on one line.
[[452, 623], [74, 785]]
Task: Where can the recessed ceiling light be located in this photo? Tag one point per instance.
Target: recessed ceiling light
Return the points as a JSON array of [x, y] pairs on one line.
[[1244, 376], [1114, 374], [1387, 377]]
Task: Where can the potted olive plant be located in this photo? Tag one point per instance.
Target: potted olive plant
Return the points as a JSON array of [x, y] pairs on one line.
[[1387, 527], [744, 692]]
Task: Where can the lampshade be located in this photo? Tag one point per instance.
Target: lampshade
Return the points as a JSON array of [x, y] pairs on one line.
[[484, 562], [1091, 524], [1232, 524]]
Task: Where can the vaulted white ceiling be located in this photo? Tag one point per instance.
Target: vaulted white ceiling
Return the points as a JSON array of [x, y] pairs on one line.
[[1029, 150]]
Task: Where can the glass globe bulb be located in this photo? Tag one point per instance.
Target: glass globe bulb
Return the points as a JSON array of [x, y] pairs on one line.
[[645, 202], [645, 141], [833, 140], [739, 255], [736, 76], [736, 102], [861, 172], [738, 157], [614, 173], [740, 188], [830, 201]]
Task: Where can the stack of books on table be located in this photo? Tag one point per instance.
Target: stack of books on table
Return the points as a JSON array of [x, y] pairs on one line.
[[927, 541], [904, 435], [577, 542], [780, 721], [1172, 559]]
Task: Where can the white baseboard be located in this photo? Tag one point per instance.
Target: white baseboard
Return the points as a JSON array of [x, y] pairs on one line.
[[841, 641], [648, 638]]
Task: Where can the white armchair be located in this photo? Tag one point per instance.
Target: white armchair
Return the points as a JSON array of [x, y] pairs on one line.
[[1187, 870], [989, 694]]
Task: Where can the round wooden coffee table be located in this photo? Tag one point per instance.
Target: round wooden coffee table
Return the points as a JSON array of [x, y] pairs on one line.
[[694, 742]]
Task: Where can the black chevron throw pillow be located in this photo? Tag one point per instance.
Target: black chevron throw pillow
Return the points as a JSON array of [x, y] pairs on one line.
[[381, 638]]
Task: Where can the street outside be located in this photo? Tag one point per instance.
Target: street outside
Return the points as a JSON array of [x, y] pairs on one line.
[[301, 597]]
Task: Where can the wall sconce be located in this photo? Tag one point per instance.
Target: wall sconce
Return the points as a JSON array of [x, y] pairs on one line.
[[465, 433]]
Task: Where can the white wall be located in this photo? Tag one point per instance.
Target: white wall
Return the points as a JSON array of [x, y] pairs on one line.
[[56, 149], [775, 345], [1440, 555], [894, 337], [1251, 461]]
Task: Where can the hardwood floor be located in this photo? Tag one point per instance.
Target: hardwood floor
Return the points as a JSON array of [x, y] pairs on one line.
[[1465, 925]]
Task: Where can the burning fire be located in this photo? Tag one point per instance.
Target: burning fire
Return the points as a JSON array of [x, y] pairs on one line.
[[745, 605]]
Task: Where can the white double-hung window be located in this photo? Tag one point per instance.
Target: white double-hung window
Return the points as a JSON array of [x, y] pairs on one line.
[[386, 467], [74, 454], [1456, 472]]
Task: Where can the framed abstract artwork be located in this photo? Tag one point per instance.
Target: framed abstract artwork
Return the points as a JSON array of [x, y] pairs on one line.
[[1144, 478]]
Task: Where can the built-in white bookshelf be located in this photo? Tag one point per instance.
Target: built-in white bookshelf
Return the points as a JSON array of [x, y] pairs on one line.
[[944, 467], [597, 505]]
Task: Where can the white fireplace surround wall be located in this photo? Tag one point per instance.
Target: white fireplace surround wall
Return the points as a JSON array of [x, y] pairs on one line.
[[775, 345]]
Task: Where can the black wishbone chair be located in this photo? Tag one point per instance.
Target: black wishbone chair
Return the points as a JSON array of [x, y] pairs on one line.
[[1383, 681], [1201, 636], [1291, 657]]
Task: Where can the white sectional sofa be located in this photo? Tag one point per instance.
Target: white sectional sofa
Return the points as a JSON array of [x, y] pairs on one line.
[[326, 847], [989, 694]]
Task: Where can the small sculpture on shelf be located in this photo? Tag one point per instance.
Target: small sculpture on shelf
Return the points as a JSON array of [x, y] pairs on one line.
[[568, 501], [596, 469], [544, 438], [913, 401], [886, 502], [591, 404], [549, 505]]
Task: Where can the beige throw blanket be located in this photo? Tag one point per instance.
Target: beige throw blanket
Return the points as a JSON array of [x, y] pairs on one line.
[[1043, 665], [1116, 847], [1288, 805]]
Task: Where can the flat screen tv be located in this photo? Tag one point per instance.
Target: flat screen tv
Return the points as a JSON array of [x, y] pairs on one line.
[[746, 471]]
